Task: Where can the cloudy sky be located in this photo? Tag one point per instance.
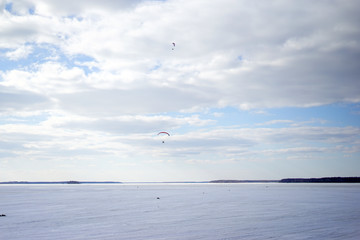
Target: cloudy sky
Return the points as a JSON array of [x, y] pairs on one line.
[[252, 89]]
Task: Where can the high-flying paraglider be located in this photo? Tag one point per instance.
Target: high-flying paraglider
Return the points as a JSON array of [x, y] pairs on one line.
[[163, 134], [173, 46]]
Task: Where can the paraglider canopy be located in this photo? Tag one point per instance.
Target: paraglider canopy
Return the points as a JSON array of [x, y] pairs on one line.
[[162, 134]]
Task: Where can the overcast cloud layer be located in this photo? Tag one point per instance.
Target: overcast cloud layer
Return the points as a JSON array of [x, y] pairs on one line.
[[86, 85]]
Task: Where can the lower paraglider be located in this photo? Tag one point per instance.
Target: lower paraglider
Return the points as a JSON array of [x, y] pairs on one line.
[[162, 134]]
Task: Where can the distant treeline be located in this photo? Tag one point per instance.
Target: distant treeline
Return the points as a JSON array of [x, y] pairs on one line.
[[297, 180], [61, 182], [322, 180]]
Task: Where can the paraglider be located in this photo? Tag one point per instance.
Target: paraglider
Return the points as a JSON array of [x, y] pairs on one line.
[[173, 45], [163, 133]]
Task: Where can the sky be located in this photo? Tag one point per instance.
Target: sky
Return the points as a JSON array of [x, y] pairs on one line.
[[252, 89]]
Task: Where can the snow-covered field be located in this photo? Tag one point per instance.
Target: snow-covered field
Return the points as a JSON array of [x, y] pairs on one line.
[[183, 211]]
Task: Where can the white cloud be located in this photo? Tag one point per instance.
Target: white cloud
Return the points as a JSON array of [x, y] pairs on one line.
[[19, 53], [128, 124], [137, 101], [93, 138], [103, 73], [13, 100], [272, 122], [46, 79], [294, 61]]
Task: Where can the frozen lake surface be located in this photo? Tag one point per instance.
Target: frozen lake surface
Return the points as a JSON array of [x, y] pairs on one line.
[[183, 211]]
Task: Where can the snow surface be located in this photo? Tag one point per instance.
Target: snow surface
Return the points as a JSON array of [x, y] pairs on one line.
[[183, 211]]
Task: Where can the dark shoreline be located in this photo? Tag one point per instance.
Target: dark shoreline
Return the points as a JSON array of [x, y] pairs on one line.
[[60, 182], [322, 180], [297, 180]]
